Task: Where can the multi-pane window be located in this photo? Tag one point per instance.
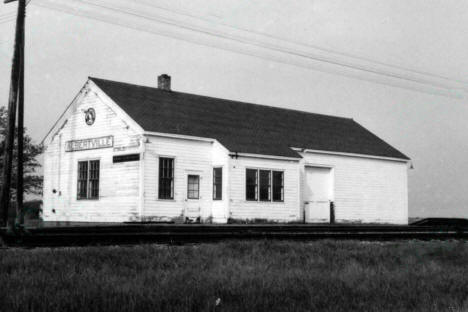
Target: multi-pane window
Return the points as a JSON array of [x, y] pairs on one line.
[[193, 186], [82, 180], [166, 178], [217, 183], [278, 186], [88, 179], [251, 184], [94, 179], [264, 185]]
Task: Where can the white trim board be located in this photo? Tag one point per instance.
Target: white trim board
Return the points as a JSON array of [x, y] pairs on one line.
[[350, 154], [264, 156], [178, 136]]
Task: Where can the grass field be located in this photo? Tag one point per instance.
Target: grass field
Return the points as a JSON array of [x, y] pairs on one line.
[[240, 276]]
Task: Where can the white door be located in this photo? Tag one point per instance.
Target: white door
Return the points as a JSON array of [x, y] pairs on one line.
[[218, 205], [193, 206], [318, 194]]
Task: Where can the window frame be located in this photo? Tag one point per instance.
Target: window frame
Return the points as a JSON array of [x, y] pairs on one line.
[[271, 185], [91, 186], [171, 178], [80, 180], [192, 190], [254, 184], [88, 180], [217, 186], [268, 186]]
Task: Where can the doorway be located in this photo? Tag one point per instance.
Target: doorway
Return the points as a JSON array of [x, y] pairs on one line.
[[193, 208], [318, 194]]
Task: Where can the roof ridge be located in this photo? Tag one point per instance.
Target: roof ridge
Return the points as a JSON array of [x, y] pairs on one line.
[[244, 127], [223, 99]]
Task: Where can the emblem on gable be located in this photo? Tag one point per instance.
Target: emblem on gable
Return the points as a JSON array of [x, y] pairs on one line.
[[90, 116]]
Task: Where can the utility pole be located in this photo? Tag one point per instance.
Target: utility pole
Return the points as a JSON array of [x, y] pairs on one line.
[[20, 173], [12, 101]]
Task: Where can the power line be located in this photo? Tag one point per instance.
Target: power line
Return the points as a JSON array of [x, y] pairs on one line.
[[4, 21], [267, 46], [67, 10], [12, 13], [448, 91], [2, 16], [188, 14], [7, 16]]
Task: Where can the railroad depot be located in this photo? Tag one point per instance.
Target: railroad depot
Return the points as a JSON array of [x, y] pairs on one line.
[[123, 152]]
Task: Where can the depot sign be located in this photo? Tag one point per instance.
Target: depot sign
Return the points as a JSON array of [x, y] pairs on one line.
[[89, 144]]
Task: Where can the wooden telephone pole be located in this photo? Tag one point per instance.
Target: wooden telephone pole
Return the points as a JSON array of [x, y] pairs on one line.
[[16, 96]]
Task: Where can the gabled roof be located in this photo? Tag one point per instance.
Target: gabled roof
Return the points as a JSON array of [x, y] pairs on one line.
[[243, 127]]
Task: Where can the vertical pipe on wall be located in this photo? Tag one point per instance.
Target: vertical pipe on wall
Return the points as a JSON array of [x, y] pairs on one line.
[[141, 177]]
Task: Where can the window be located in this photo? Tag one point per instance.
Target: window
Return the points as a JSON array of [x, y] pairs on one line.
[[217, 183], [166, 178], [251, 184], [93, 179], [264, 185], [88, 179], [278, 186], [82, 180], [193, 186]]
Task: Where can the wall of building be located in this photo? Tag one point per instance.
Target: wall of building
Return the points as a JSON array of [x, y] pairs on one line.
[[241, 209], [190, 157], [365, 190], [119, 183]]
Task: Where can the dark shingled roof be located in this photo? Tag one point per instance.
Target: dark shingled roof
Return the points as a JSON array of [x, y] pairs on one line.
[[243, 127]]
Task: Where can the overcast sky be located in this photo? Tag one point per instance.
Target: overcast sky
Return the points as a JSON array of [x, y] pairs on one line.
[[421, 35]]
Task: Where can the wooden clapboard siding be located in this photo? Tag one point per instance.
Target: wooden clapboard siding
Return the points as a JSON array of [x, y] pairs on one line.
[[240, 208], [366, 190], [118, 200], [191, 157]]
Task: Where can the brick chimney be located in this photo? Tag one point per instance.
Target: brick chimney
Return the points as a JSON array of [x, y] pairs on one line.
[[164, 82]]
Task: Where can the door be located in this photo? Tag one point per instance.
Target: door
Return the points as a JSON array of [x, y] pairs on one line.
[[193, 207], [318, 194]]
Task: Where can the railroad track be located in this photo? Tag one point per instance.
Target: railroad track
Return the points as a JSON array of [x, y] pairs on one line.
[[189, 233]]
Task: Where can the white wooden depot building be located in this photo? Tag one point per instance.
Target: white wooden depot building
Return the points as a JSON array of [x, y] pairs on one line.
[[123, 152]]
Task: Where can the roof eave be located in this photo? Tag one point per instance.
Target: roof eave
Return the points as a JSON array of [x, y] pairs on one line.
[[252, 155], [305, 150]]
